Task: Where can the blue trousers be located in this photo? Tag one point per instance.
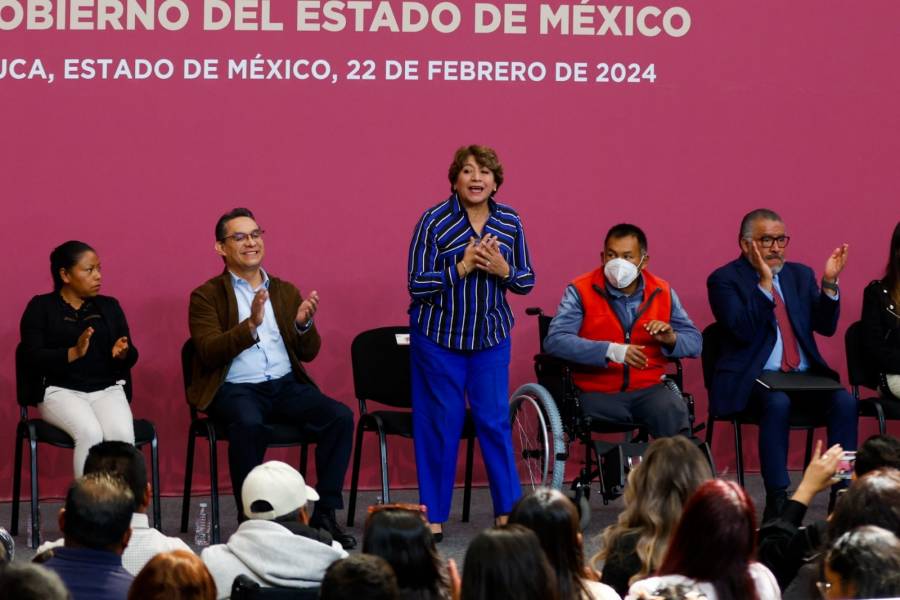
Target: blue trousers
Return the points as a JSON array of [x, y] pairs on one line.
[[442, 380], [839, 408]]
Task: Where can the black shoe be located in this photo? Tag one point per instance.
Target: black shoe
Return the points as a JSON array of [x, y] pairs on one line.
[[775, 503], [325, 519]]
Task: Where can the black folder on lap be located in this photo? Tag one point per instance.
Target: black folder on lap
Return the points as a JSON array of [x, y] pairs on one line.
[[797, 382]]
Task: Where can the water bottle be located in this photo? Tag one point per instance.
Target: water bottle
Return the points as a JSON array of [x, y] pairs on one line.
[[201, 527]]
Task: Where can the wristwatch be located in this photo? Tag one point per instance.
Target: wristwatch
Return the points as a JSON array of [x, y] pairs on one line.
[[827, 285]]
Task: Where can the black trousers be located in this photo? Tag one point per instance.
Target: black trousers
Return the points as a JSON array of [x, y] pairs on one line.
[[249, 410], [659, 407]]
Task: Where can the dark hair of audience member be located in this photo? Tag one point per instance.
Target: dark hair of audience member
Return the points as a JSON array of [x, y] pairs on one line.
[[27, 581], [658, 488], [715, 540], [65, 256], [876, 452], [234, 213], [123, 460], [892, 271], [873, 499], [867, 562], [360, 577], [175, 575], [98, 511], [507, 563], [554, 519], [403, 539]]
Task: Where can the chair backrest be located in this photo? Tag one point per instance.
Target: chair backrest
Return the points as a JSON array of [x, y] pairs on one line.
[[543, 328], [712, 350], [29, 383], [859, 370], [245, 588], [381, 369]]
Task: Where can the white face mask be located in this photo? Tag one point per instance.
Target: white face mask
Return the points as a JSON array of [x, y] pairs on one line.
[[621, 273]]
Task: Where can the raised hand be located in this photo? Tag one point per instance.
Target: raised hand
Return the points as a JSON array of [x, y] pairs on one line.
[[761, 266], [307, 308], [81, 346], [258, 307], [835, 263], [634, 357], [661, 331], [120, 348], [489, 258], [820, 473]]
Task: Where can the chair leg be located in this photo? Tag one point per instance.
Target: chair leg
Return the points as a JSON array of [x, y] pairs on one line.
[[354, 475], [17, 481], [154, 468], [382, 447], [35, 497], [304, 458], [809, 447], [739, 452], [214, 487], [188, 476], [467, 490]]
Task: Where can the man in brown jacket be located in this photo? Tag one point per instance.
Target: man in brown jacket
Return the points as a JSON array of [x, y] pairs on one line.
[[250, 333]]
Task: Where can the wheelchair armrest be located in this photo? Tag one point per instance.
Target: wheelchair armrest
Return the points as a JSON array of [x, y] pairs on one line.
[[533, 311]]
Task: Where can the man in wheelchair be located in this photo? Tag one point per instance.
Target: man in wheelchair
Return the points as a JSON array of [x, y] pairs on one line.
[[621, 324]]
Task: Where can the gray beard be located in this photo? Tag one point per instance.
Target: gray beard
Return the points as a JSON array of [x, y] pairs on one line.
[[777, 270]]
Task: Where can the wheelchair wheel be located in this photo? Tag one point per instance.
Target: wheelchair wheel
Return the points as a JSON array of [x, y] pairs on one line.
[[539, 447]]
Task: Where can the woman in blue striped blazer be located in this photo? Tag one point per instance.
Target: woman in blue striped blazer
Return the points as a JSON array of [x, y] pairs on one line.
[[465, 254]]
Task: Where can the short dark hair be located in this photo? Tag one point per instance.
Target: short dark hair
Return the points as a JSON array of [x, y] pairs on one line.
[[754, 215], [28, 581], [624, 230], [234, 213], [65, 256], [361, 577], [867, 557], [483, 155], [98, 511], [876, 452], [122, 460], [507, 563]]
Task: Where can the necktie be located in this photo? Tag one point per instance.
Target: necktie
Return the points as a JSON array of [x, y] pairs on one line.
[[790, 355]]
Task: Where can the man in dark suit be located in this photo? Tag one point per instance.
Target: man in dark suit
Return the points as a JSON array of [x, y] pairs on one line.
[[251, 331], [768, 310]]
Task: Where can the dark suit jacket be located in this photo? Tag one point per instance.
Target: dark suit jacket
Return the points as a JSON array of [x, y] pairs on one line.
[[747, 317], [218, 336]]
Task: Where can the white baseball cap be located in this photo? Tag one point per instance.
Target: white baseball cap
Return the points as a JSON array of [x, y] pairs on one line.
[[280, 485]]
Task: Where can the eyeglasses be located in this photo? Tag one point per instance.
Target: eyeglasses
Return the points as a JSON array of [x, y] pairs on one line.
[[768, 241], [240, 236], [823, 587], [420, 509]]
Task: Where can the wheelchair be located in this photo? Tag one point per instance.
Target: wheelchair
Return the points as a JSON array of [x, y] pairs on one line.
[[547, 417]]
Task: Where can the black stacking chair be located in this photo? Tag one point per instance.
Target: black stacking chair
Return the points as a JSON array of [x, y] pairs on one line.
[[30, 392], [245, 588], [283, 436], [712, 349], [381, 374], [883, 406]]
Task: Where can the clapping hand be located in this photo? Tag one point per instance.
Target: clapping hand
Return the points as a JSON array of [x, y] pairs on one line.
[[835, 263], [662, 332], [120, 348], [307, 309], [81, 346], [258, 307], [489, 258], [762, 267]]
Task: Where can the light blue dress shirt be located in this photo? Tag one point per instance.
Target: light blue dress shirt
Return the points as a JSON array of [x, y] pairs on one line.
[[268, 358], [774, 362]]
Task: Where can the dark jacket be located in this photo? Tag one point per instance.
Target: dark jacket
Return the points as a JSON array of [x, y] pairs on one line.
[[748, 319], [218, 336], [881, 328]]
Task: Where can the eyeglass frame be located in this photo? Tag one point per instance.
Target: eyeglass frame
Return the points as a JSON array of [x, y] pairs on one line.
[[240, 236], [781, 241]]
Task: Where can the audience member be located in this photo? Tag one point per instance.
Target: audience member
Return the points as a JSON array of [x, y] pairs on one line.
[[881, 326], [127, 462], [554, 519], [873, 499], [784, 545], [175, 575], [769, 310], [360, 577], [78, 348], [399, 534], [657, 490], [625, 323], [275, 547], [95, 525], [713, 548], [251, 333], [507, 563], [863, 563], [31, 582]]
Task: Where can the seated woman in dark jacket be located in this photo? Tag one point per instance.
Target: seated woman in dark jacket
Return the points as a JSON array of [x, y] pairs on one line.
[[79, 344], [881, 323]]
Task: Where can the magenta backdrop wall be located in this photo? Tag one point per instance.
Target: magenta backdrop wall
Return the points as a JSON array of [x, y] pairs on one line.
[[789, 105]]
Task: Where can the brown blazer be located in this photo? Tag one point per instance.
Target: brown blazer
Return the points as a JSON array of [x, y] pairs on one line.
[[218, 336]]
